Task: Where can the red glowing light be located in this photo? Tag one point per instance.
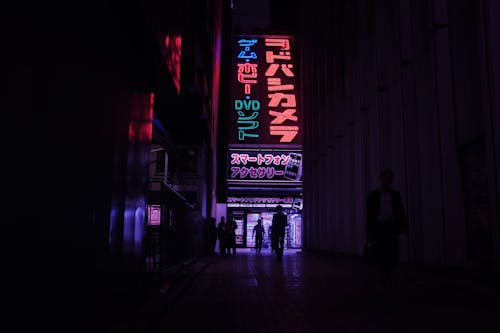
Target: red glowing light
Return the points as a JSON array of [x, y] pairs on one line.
[[173, 45], [140, 128], [265, 91]]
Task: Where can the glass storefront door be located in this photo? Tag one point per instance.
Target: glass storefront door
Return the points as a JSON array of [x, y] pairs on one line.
[[293, 231]]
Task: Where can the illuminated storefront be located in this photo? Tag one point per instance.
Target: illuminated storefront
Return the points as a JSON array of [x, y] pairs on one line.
[[250, 209], [264, 159]]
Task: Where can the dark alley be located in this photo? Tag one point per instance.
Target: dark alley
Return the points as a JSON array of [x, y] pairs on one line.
[[310, 293], [251, 166]]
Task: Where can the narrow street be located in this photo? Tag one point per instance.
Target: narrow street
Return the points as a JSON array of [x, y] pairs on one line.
[[311, 293]]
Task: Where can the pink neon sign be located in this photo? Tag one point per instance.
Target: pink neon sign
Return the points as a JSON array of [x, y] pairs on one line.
[[265, 165], [264, 98]]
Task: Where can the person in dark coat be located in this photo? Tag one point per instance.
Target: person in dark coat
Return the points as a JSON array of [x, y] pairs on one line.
[[212, 235], [258, 235], [279, 223], [221, 227], [386, 220], [230, 235]]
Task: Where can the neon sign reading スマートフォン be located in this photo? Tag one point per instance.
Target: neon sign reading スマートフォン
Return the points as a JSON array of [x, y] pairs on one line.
[[263, 93], [259, 166]]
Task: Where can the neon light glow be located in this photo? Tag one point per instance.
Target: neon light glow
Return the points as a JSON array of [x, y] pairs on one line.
[[265, 165], [140, 128], [173, 46], [271, 200], [265, 106], [154, 214]]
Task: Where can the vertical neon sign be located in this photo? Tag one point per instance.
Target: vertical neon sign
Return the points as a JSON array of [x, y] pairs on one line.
[[247, 109], [281, 89], [264, 104]]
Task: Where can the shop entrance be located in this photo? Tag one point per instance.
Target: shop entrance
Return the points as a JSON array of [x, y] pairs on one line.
[[293, 231], [246, 219]]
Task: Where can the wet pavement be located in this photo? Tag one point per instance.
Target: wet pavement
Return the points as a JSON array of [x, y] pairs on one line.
[[314, 293]]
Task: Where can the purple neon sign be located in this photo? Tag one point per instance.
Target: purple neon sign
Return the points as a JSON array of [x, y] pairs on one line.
[[261, 166]]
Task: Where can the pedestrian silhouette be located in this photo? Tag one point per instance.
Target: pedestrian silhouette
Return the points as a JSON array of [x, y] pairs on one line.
[[212, 235], [386, 220], [270, 237], [230, 235], [280, 221], [258, 234], [221, 227]]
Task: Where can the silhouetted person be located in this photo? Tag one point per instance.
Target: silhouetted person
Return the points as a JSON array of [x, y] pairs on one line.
[[258, 234], [230, 235], [221, 228], [386, 220], [270, 235], [279, 224]]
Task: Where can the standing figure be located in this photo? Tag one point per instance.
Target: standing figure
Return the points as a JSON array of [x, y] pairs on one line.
[[221, 227], [258, 234], [230, 235], [386, 220], [280, 221], [270, 237]]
